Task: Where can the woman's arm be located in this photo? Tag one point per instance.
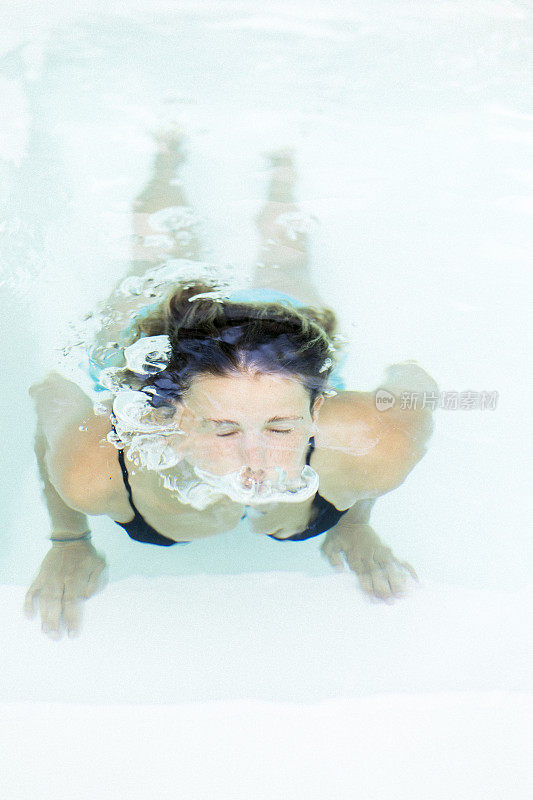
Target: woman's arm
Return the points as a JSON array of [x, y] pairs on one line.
[[375, 447], [64, 520], [352, 540], [71, 570], [81, 465], [378, 449]]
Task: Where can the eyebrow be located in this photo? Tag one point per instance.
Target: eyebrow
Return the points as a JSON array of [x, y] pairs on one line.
[[232, 422]]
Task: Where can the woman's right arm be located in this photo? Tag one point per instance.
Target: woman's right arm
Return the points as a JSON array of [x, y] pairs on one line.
[[64, 520], [71, 570]]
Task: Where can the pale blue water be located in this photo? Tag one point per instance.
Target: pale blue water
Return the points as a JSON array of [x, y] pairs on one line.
[[413, 128], [412, 135]]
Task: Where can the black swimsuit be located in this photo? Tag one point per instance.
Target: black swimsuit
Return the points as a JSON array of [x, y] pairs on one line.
[[139, 529]]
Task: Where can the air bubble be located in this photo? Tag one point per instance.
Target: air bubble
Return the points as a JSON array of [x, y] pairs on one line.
[[132, 285], [142, 355], [172, 218], [115, 440], [295, 223]]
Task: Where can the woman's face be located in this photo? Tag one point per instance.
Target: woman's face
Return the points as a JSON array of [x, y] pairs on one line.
[[259, 422]]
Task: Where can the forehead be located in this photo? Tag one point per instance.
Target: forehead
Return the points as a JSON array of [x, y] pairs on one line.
[[247, 394]]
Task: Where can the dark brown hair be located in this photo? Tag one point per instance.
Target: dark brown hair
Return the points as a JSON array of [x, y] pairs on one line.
[[215, 336]]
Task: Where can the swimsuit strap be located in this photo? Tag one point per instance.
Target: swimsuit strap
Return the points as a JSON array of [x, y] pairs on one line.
[[138, 528], [125, 475]]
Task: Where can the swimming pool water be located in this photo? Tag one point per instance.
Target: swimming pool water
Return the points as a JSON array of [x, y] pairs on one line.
[[413, 130]]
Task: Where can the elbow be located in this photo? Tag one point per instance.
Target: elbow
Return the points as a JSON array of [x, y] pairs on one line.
[[394, 472], [409, 376]]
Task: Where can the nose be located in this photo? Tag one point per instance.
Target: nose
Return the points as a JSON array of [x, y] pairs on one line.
[[253, 454]]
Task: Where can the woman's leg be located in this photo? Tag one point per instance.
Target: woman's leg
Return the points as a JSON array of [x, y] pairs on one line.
[[176, 236], [171, 234], [283, 260]]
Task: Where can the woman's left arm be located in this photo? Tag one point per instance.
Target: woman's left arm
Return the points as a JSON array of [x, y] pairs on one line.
[[379, 449]]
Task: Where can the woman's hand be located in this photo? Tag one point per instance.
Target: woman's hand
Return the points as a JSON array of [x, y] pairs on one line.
[[380, 574], [70, 573]]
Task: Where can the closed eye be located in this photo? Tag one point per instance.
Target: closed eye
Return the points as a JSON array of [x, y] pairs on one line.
[[221, 435]]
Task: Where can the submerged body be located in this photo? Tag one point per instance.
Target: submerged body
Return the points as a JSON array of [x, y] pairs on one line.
[[357, 452], [354, 451]]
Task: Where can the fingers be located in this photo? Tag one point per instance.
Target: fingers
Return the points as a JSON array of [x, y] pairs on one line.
[[366, 583], [389, 580], [333, 554], [410, 569], [67, 577], [381, 579], [72, 615], [54, 602], [50, 605], [380, 574], [29, 607], [68, 603], [387, 583]]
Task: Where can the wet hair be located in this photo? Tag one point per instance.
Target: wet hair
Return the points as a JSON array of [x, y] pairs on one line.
[[215, 336]]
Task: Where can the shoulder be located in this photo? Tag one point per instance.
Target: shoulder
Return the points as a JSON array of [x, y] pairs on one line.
[[351, 412], [373, 450]]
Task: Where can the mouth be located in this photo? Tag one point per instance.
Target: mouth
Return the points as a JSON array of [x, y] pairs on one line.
[[253, 490], [249, 483]]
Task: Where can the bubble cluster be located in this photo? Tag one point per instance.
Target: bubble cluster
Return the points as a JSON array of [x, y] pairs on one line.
[[158, 280], [144, 431], [86, 347], [278, 489], [172, 219], [148, 355], [295, 223]]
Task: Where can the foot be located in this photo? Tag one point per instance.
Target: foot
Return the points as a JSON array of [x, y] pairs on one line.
[[283, 175], [280, 157], [169, 139]]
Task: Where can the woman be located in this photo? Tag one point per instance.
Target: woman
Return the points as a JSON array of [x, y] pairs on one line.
[[223, 408]]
